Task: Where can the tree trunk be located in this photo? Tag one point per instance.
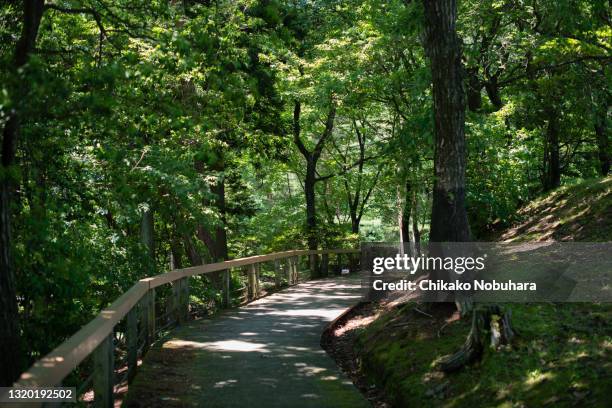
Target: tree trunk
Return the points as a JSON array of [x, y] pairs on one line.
[[10, 344], [192, 253], [354, 224], [492, 89], [406, 212], [474, 87], [487, 319], [603, 143], [216, 240], [311, 213], [415, 224], [147, 236], [312, 157], [10, 358], [176, 260], [221, 231], [449, 222], [552, 165]]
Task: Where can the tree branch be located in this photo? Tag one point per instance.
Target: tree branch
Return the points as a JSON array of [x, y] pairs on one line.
[[297, 108], [329, 127]]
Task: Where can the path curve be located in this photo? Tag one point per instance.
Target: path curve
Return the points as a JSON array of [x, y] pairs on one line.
[[265, 354]]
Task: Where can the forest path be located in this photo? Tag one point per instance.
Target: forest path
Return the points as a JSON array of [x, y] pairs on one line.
[[264, 354]]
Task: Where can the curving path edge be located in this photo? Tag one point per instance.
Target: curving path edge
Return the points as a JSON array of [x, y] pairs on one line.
[[264, 354]]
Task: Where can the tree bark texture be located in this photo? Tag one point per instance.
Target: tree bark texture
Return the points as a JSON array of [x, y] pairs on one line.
[[449, 222], [10, 344]]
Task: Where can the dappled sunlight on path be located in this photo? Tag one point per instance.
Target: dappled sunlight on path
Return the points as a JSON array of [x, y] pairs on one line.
[[267, 353]]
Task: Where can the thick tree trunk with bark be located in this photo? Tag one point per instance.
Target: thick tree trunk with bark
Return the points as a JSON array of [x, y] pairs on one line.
[[10, 362], [449, 222], [11, 356]]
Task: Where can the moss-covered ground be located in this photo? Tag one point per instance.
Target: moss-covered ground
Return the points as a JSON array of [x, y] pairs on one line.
[[580, 212], [561, 357]]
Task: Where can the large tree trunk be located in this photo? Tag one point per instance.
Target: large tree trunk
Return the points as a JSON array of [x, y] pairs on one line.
[[11, 355], [10, 358], [449, 222]]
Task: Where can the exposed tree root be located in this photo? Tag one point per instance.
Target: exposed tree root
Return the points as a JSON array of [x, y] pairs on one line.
[[485, 319]]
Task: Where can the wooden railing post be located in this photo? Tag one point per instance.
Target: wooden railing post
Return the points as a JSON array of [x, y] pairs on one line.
[[251, 282], [257, 280], [132, 342], [143, 311], [180, 295], [173, 302], [150, 337], [104, 373], [325, 265], [288, 270], [277, 273], [225, 293], [186, 294], [296, 275]]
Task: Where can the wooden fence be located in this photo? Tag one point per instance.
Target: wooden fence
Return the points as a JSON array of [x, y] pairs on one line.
[[112, 343]]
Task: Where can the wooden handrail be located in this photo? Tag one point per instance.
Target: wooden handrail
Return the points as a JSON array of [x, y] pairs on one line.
[[55, 366]]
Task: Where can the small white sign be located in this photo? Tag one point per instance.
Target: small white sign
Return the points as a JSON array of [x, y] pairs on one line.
[[345, 271]]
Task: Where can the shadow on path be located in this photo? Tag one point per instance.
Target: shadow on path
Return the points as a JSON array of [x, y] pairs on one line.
[[265, 354]]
